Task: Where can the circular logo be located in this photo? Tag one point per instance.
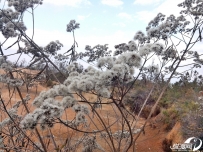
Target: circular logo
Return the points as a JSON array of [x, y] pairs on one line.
[[196, 143]]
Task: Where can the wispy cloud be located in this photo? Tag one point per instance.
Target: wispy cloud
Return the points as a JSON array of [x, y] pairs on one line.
[[114, 3], [145, 16], [167, 8], [125, 15], [119, 24], [72, 3], [82, 17], [146, 2], [43, 37]]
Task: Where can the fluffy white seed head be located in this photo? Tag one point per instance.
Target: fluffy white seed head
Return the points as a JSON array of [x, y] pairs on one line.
[[68, 102]]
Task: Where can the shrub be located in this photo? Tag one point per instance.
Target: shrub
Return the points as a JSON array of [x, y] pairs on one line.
[[49, 83], [170, 117], [111, 82], [135, 101]]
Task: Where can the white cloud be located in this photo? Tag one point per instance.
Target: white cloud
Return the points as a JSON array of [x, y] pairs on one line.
[[72, 3], [145, 16], [125, 15], [111, 39], [119, 24], [104, 11], [113, 3], [82, 17], [146, 2], [167, 8], [43, 37]]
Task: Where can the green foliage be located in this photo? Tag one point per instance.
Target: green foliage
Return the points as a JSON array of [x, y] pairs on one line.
[[49, 83], [170, 117], [177, 111], [176, 102], [189, 106]]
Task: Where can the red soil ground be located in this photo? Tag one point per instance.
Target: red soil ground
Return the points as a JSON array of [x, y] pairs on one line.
[[151, 140]]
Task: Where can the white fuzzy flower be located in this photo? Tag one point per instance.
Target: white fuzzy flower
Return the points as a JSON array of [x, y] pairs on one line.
[[90, 144], [145, 50], [85, 109], [53, 47], [73, 85], [133, 59], [51, 93], [72, 25], [157, 48], [5, 122], [120, 70], [49, 109], [81, 108], [39, 99], [132, 46], [90, 70], [74, 66], [70, 79], [104, 92], [68, 102], [4, 64], [85, 85], [77, 108], [28, 122], [80, 118], [12, 112], [130, 58], [37, 114], [107, 77], [105, 62], [140, 37], [73, 74], [61, 90], [52, 108]]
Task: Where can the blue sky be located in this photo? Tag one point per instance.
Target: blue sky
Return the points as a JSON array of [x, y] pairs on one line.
[[101, 21]]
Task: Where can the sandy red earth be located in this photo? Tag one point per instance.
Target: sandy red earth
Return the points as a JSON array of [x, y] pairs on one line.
[[150, 140]]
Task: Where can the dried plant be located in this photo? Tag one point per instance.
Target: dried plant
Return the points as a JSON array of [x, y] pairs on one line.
[[28, 124]]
